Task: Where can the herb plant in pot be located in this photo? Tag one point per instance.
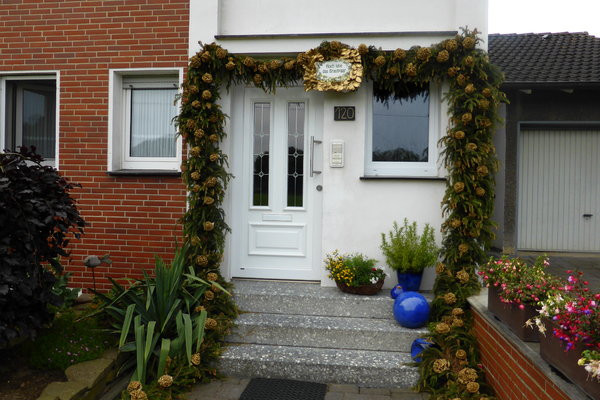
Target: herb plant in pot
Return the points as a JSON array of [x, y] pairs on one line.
[[409, 253]]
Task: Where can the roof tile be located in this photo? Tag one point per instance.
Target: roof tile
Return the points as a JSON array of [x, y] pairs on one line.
[[546, 57]]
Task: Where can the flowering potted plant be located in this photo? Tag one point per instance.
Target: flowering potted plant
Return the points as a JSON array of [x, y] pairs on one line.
[[590, 361], [354, 273], [409, 253], [573, 318], [514, 289]]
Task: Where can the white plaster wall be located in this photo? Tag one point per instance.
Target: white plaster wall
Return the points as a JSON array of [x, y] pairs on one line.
[[209, 18], [355, 211]]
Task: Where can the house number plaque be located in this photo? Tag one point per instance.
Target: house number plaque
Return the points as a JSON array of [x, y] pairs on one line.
[[344, 113]]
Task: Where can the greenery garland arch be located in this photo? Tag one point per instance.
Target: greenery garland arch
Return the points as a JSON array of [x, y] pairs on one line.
[[450, 369]]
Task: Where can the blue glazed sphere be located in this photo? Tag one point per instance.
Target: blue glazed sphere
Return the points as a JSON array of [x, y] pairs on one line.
[[396, 291], [411, 310]]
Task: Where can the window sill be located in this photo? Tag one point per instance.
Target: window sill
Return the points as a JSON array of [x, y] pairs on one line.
[[400, 177], [143, 172]]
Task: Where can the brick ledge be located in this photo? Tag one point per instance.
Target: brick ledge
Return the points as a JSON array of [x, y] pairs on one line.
[[479, 304]]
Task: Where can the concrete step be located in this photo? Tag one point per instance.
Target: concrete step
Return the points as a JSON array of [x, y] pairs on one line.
[[360, 367], [297, 298], [324, 331]]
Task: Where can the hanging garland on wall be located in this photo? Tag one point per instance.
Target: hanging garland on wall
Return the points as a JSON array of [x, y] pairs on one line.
[[450, 369]]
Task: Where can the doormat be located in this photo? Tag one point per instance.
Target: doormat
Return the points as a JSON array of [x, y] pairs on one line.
[[283, 389]]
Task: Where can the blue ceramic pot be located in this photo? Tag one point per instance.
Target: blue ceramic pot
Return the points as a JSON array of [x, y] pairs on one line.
[[411, 310], [395, 292], [417, 348], [409, 281]]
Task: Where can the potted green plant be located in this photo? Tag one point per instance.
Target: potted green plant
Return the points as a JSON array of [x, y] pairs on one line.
[[409, 253], [354, 273]]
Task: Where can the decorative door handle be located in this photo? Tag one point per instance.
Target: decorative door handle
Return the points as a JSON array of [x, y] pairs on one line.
[[312, 156]]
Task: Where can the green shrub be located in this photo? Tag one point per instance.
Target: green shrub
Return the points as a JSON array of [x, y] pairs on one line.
[[68, 341], [160, 318], [407, 251]]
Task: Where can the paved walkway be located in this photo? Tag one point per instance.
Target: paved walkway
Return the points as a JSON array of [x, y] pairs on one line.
[[561, 262], [232, 388]]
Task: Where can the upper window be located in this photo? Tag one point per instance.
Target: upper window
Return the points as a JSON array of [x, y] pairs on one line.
[[29, 109], [400, 141], [143, 131]]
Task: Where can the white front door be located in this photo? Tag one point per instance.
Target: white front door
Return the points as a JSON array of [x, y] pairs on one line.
[[276, 196]]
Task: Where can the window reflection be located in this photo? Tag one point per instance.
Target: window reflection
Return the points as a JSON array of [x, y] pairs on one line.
[[401, 129]]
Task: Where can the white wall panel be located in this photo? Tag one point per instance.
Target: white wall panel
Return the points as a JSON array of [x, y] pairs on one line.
[[559, 182]]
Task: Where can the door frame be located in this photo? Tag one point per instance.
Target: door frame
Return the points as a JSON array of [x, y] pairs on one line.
[[241, 197]]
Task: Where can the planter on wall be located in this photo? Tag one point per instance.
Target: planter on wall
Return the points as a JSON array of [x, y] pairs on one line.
[[513, 316], [553, 352], [368, 290]]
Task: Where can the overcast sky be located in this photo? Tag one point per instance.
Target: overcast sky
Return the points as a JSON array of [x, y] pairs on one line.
[[523, 16]]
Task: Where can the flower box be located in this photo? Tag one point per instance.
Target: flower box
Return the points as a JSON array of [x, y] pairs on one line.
[[553, 352], [513, 316], [368, 290]]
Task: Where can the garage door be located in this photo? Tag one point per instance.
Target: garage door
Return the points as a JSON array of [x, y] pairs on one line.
[[559, 189]]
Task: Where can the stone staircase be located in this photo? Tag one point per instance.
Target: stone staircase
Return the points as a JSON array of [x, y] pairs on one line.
[[306, 332]]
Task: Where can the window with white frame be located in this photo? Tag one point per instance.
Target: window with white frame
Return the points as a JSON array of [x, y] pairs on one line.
[[401, 136], [143, 134], [28, 110]]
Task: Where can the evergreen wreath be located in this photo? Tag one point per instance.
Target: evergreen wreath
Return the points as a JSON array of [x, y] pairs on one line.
[[449, 370]]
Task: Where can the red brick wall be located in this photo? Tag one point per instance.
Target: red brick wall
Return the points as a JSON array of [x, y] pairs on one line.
[[511, 374], [132, 218]]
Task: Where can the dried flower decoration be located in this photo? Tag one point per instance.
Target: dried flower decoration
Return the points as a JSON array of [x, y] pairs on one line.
[[451, 45], [208, 226], [423, 54], [362, 49], [410, 70], [469, 43], [196, 359], [459, 187], [209, 295], [207, 78], [442, 328], [450, 298], [221, 53], [165, 381], [459, 135], [462, 276], [467, 375], [473, 387], [211, 276], [133, 386], [442, 56], [208, 200], [210, 323], [399, 54], [201, 260], [249, 62], [441, 365], [214, 157], [461, 354]]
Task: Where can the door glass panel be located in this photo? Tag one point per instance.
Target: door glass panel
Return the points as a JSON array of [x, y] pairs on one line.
[[260, 154], [295, 145]]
